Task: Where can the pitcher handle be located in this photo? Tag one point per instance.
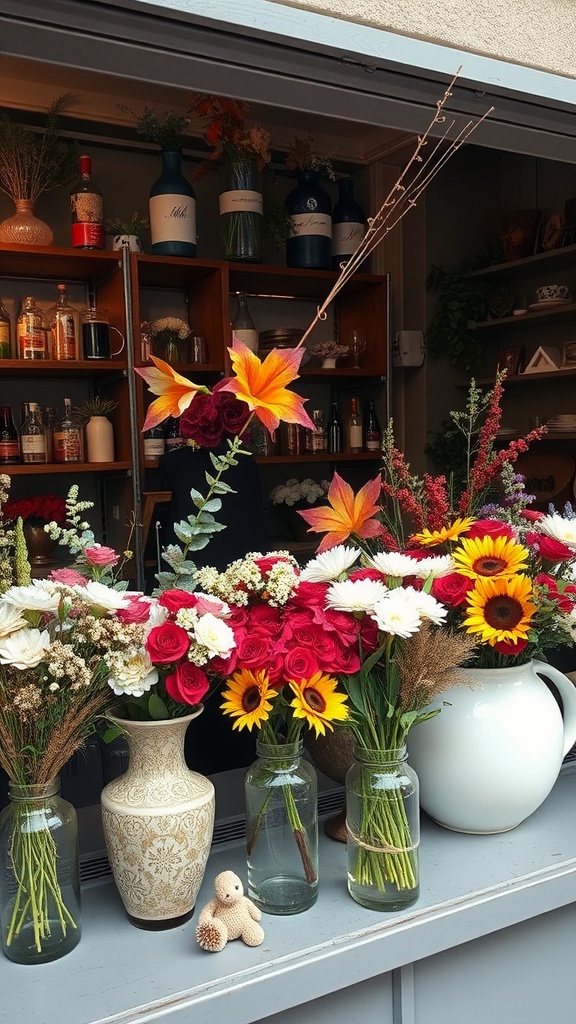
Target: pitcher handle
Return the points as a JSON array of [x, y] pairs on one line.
[[567, 691], [112, 354]]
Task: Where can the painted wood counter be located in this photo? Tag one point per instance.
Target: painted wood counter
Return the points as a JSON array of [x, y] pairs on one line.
[[492, 938]]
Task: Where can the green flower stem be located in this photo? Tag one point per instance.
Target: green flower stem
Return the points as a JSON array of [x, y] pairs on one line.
[[384, 825], [240, 232], [34, 861], [298, 833]]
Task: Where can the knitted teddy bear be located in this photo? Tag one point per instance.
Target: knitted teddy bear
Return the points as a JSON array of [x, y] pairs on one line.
[[230, 915]]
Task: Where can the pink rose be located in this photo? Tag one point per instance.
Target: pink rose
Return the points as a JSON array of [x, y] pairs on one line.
[[174, 600], [100, 555], [299, 663], [69, 577], [187, 684], [135, 611], [167, 643], [490, 528], [205, 604], [451, 589]]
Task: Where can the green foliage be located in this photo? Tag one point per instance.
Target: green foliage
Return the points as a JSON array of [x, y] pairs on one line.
[[135, 224], [462, 303], [449, 454], [165, 130], [33, 162]]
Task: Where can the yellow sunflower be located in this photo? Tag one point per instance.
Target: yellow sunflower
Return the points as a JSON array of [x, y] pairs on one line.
[[500, 609], [430, 538], [316, 701], [248, 698], [496, 557]]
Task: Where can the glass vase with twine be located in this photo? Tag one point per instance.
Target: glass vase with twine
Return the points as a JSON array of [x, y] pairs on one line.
[[241, 207]]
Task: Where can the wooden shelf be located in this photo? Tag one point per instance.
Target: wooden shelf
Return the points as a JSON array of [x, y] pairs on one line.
[[269, 460], [530, 265], [53, 263], [61, 367], [35, 468], [566, 373], [533, 318]]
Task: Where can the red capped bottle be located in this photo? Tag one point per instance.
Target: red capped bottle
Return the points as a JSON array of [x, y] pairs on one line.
[[9, 446], [87, 210]]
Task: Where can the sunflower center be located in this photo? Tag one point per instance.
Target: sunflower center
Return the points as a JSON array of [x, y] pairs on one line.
[[503, 612], [314, 699], [250, 699], [489, 565]]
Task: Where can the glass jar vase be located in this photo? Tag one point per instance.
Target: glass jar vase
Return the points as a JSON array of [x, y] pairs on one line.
[[240, 204], [39, 875], [383, 825], [282, 829]]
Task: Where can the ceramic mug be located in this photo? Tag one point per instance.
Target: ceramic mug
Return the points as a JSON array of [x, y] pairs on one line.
[[96, 330], [552, 291]]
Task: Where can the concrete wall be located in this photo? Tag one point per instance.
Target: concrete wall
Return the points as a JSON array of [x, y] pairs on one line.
[[529, 32]]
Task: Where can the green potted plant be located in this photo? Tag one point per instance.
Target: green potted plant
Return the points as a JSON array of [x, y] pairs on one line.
[[33, 162], [462, 303], [128, 230]]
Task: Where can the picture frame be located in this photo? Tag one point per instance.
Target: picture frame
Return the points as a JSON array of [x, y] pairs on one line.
[[512, 360], [569, 354]]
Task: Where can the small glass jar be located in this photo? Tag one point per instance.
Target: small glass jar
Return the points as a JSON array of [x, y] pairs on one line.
[[39, 875], [383, 826], [282, 829]]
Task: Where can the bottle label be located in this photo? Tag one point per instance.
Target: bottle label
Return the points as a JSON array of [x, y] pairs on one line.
[[33, 444], [319, 440], [355, 438], [88, 236], [32, 341], [240, 199], [66, 446], [153, 447], [64, 337], [174, 442], [9, 450], [87, 208], [248, 338], [312, 224], [4, 340], [372, 442], [346, 238], [173, 219]]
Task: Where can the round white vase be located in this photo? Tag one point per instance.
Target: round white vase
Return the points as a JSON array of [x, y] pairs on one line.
[[100, 439], [491, 757], [158, 822]]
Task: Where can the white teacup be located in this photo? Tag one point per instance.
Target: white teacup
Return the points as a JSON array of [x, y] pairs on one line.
[[552, 291]]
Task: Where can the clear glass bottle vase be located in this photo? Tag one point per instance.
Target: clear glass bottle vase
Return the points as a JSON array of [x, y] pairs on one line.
[[282, 829], [240, 204], [383, 827], [39, 875]]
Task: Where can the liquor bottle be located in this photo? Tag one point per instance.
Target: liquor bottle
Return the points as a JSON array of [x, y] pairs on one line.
[[348, 224], [9, 446], [373, 432], [87, 210], [310, 210], [5, 350], [335, 430], [67, 437], [63, 321], [243, 326], [318, 437], [50, 422], [154, 443], [172, 207], [355, 432], [33, 436], [173, 436], [32, 331]]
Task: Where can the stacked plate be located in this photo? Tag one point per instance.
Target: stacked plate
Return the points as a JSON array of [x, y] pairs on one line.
[[562, 424], [280, 337]]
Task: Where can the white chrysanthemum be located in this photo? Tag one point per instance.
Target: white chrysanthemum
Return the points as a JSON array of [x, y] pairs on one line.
[[392, 563], [441, 565], [24, 649], [10, 619], [396, 613], [355, 595], [215, 635], [35, 597], [561, 529], [427, 606], [329, 565], [103, 597], [133, 674]]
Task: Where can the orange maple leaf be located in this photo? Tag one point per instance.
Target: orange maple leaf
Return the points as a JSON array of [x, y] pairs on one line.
[[176, 392], [346, 514], [262, 385]]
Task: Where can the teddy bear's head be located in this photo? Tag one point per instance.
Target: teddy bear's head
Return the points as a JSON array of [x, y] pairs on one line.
[[228, 888]]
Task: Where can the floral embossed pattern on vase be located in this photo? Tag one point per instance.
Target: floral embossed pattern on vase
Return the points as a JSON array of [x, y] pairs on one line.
[[158, 821]]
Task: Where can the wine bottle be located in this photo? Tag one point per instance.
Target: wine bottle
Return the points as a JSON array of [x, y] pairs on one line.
[[172, 206], [33, 436], [348, 224], [87, 210], [243, 326], [63, 321], [310, 210], [67, 437], [335, 430], [5, 349], [318, 436], [355, 431], [173, 435], [154, 442], [373, 432], [9, 446], [32, 331], [50, 422]]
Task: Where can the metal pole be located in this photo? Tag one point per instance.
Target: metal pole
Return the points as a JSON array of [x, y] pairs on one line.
[[133, 421]]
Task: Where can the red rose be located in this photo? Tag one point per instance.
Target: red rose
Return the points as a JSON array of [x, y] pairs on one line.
[[265, 564], [368, 634], [253, 649], [167, 643], [451, 589], [490, 528], [299, 663], [531, 515], [187, 684], [201, 422], [345, 661], [505, 647], [232, 412], [310, 595], [174, 600], [344, 624], [308, 634], [366, 574], [265, 616], [549, 549]]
